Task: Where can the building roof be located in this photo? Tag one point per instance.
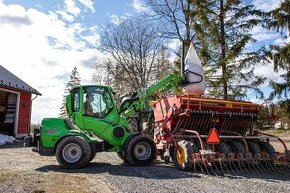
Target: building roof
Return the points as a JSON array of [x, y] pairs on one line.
[[9, 80]]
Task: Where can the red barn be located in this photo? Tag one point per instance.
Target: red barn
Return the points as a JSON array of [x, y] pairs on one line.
[[15, 104]]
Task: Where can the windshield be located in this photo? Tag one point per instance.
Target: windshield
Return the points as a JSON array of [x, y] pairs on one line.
[[97, 102]]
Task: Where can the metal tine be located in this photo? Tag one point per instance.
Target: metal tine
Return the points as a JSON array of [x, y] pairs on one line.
[[194, 167], [229, 168], [202, 122], [200, 166], [261, 167], [233, 169], [196, 125], [205, 167], [249, 164], [227, 124], [192, 123], [280, 167], [254, 167], [271, 167], [225, 163], [266, 166], [239, 167], [214, 167], [244, 126], [235, 122], [277, 167], [285, 165], [221, 166], [179, 123], [244, 167], [188, 123]]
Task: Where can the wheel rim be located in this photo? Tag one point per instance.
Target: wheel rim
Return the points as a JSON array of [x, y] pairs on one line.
[[142, 151], [71, 153], [180, 156]]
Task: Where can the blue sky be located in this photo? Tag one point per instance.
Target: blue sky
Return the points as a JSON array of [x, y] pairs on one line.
[[42, 40]]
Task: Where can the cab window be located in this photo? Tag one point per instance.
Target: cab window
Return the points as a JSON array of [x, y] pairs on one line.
[[76, 101], [97, 102]]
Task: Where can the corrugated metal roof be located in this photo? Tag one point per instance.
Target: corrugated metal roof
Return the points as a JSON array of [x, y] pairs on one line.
[[9, 80]]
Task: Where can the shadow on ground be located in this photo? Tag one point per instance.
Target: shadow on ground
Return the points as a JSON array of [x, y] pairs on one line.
[[16, 144], [161, 171], [156, 171]]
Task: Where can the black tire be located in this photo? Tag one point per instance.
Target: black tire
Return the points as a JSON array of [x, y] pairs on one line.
[[134, 123], [267, 147], [224, 148], [93, 151], [237, 147], [140, 151], [254, 147], [183, 161], [69, 146]]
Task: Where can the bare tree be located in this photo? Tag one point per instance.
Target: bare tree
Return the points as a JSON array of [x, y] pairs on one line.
[[173, 15], [133, 46], [175, 18]]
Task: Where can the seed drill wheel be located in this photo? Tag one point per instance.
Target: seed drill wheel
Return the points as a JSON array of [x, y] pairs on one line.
[[237, 147], [182, 155], [225, 149], [73, 152], [268, 148], [254, 147], [140, 151]]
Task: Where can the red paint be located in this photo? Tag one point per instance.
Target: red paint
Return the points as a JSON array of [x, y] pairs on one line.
[[24, 113]]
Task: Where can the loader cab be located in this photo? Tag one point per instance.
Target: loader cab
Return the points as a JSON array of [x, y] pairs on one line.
[[89, 106], [97, 101]]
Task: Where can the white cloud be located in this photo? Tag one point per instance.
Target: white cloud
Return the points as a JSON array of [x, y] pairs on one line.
[[115, 19], [266, 5], [140, 6], [72, 8], [42, 50], [268, 71], [88, 4], [261, 34], [66, 16]]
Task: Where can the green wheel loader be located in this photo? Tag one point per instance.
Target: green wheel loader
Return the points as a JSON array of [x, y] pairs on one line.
[[96, 123], [76, 140]]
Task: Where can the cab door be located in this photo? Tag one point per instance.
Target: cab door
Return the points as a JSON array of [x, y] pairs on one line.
[[99, 106], [76, 107]]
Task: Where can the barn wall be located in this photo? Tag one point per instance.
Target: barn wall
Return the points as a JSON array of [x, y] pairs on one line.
[[24, 113]]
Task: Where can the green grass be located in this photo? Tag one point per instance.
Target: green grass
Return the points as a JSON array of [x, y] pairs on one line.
[[279, 132]]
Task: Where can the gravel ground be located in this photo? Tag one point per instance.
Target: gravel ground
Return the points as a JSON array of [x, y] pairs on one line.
[[21, 170]]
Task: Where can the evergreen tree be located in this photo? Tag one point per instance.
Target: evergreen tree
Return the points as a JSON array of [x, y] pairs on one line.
[[73, 82], [223, 30], [279, 19]]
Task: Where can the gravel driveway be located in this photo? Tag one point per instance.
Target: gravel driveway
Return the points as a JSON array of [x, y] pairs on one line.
[[21, 170]]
